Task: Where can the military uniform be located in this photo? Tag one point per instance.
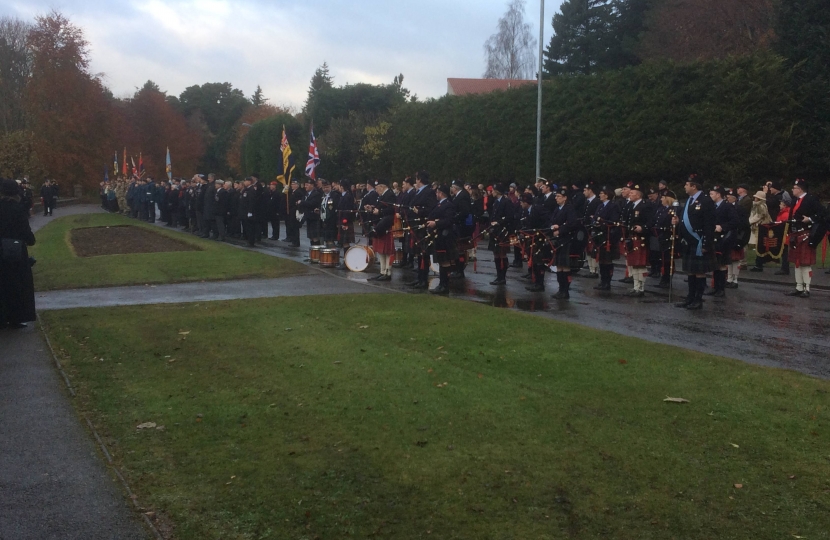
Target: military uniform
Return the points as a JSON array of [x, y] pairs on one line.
[[605, 239], [443, 247], [697, 229], [806, 233], [423, 201], [726, 217], [636, 223], [502, 226]]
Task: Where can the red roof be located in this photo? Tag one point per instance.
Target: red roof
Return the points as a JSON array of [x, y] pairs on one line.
[[460, 87]]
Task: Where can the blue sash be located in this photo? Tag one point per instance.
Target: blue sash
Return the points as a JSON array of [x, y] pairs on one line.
[[688, 225]]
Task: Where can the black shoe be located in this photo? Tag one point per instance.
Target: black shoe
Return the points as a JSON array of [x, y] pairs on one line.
[[440, 289], [499, 281], [295, 245], [536, 287], [593, 275], [628, 279], [413, 283], [603, 287], [828, 272], [757, 269], [384, 277], [457, 275], [685, 303], [731, 285], [516, 264], [421, 285], [697, 304], [804, 294], [663, 285], [782, 272], [375, 278], [16, 326], [710, 292], [794, 292], [561, 295], [720, 294], [635, 294]]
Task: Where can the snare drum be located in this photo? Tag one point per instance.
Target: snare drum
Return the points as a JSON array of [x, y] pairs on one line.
[[358, 258], [398, 262], [314, 254], [329, 257]]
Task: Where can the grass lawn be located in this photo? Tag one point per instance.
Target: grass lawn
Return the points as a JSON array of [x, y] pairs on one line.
[[441, 419], [59, 268]]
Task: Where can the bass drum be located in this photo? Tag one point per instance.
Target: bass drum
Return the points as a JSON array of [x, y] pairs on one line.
[[358, 258]]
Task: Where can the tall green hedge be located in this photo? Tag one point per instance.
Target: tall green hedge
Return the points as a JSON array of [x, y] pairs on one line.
[[261, 148], [731, 121]]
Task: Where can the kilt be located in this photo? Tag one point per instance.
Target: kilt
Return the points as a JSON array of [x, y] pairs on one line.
[[329, 232], [444, 254], [313, 229], [347, 236], [607, 252], [738, 255], [693, 264], [638, 256], [800, 251], [562, 257], [723, 259], [501, 249], [384, 244]]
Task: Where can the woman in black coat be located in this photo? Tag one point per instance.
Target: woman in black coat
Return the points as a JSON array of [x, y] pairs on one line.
[[17, 289]]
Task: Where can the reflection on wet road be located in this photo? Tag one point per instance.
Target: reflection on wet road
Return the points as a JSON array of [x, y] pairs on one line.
[[755, 323]]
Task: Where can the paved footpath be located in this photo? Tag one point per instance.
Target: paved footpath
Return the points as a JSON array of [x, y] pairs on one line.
[[53, 482]]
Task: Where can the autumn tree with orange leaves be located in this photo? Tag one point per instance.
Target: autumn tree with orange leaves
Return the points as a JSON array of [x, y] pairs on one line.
[[68, 110]]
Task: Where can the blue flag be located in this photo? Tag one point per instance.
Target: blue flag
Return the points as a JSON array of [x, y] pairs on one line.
[[169, 166], [106, 174]]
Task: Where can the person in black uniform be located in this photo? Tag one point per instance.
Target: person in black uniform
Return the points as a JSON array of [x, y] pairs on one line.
[[636, 224], [248, 208], [577, 199], [501, 227], [382, 216], [404, 199], [586, 218], [464, 224], [221, 210], [234, 219], [275, 204], [422, 203], [696, 224], [661, 236], [533, 225], [17, 290], [441, 227], [47, 197], [625, 206], [345, 218], [605, 237], [27, 198], [726, 229], [806, 233], [309, 207], [328, 213], [563, 221], [292, 224]]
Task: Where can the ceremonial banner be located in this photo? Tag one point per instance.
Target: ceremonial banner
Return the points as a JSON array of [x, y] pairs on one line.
[[135, 169], [284, 175], [106, 174], [115, 165], [169, 165], [313, 157], [771, 240], [140, 165], [124, 170]]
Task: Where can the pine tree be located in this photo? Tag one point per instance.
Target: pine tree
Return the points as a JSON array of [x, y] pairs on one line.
[[258, 98], [321, 79]]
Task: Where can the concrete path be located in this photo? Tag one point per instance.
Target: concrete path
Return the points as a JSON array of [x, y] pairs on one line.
[[53, 483]]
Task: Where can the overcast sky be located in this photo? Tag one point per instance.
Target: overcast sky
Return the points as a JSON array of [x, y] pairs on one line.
[[279, 44]]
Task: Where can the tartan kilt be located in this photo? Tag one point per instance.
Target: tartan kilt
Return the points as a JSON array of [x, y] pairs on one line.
[[723, 259], [313, 229], [562, 257], [501, 250], [738, 255], [800, 251], [609, 255], [638, 256], [693, 264], [384, 244]]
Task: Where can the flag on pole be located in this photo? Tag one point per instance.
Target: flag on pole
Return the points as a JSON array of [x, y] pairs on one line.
[[169, 166], [287, 160], [115, 164], [106, 174], [135, 169], [124, 170], [140, 165], [313, 156]]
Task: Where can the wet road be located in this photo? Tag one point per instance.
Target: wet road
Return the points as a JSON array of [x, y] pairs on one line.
[[756, 323]]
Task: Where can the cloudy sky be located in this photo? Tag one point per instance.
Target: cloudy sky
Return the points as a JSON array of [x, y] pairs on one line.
[[278, 44]]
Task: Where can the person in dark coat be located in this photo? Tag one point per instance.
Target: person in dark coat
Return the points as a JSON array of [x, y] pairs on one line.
[[222, 210], [636, 222], [404, 199], [726, 231], [292, 224], [328, 213], [421, 204], [276, 202], [309, 206], [464, 225], [441, 226], [696, 224], [563, 222], [605, 237], [17, 289], [345, 219], [501, 228], [47, 197], [27, 198], [533, 222], [209, 206], [586, 217]]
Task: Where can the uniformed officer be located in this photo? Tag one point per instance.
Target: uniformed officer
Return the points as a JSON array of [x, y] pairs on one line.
[[464, 224], [726, 227], [501, 228], [563, 222], [441, 228], [533, 225], [696, 224], [605, 237], [422, 203], [807, 231], [636, 222], [592, 202]]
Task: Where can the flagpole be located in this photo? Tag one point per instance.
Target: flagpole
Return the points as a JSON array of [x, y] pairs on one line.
[[539, 91]]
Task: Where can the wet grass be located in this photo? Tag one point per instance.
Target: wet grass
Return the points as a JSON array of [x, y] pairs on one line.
[[58, 267], [441, 419]]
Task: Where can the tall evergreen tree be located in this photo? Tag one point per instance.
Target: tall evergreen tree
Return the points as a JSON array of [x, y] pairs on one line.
[[258, 98]]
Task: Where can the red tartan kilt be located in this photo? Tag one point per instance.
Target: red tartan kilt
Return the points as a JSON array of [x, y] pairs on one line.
[[589, 247], [384, 245], [738, 255], [622, 248], [638, 255], [800, 251]]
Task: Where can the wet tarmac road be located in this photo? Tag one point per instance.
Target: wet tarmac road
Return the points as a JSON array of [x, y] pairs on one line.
[[756, 323]]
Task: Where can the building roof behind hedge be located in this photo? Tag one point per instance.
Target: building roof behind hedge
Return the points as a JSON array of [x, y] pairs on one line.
[[460, 87]]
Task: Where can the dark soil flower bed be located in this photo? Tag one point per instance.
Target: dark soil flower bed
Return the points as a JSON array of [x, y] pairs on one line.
[[121, 240]]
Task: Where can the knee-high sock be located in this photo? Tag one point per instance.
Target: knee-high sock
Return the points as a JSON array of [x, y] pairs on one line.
[[384, 263], [734, 270], [592, 265], [807, 276], [701, 287], [799, 278]]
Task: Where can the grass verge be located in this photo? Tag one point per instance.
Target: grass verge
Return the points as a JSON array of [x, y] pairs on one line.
[[433, 418], [59, 268]]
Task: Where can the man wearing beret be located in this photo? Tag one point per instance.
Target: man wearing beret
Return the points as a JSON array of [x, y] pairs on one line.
[[501, 226], [421, 204], [806, 233], [309, 206], [637, 220], [441, 227], [591, 204], [563, 222], [726, 230], [533, 221], [696, 224]]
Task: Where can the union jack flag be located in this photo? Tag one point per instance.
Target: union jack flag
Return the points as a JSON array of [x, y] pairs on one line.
[[313, 157]]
